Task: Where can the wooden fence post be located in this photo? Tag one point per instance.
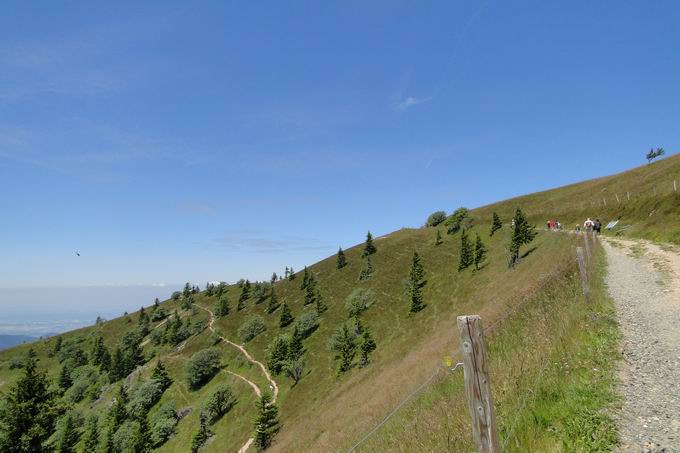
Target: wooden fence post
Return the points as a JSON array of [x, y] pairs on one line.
[[617, 197], [584, 274], [628, 195], [586, 241], [477, 384], [675, 187]]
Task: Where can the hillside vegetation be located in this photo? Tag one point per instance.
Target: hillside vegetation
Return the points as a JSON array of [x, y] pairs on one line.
[[341, 386]]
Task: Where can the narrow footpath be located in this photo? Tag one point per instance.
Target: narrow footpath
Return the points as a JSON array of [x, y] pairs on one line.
[[644, 281], [272, 384]]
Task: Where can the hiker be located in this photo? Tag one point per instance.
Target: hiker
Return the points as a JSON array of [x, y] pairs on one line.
[[548, 224], [588, 225], [597, 226], [578, 228]]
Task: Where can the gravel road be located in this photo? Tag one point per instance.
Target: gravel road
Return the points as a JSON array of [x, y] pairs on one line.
[[644, 281]]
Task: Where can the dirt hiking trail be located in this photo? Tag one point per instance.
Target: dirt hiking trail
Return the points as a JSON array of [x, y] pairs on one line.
[[644, 281]]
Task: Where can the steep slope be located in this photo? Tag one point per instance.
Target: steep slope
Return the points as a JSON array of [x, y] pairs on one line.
[[327, 411]]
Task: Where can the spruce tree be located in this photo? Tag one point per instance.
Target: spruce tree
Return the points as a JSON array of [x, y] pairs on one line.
[[305, 279], [367, 270], [141, 442], [65, 378], [273, 278], [466, 253], [496, 224], [68, 437], [438, 238], [267, 423], [245, 295], [143, 322], [156, 303], [295, 347], [320, 305], [369, 248], [523, 233], [222, 306], [278, 354], [90, 438], [273, 301], [342, 260], [291, 274], [368, 345], [160, 374], [480, 252], [118, 412], [345, 345], [286, 316], [201, 437], [30, 411], [310, 290], [286, 274], [416, 281], [107, 445]]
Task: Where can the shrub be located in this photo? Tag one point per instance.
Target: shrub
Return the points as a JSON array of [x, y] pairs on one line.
[[307, 323], [219, 403], [459, 219], [124, 438], [82, 377], [251, 328], [159, 314], [358, 301], [176, 295], [202, 367], [16, 363], [436, 218], [163, 424], [146, 395]]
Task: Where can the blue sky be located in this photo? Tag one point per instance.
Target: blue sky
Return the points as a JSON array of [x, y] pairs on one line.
[[170, 142]]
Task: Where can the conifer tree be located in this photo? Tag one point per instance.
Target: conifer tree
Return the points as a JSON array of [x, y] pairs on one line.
[[286, 316], [369, 248], [273, 301], [286, 274], [367, 270], [65, 378], [267, 423], [278, 354], [156, 303], [480, 252], [117, 368], [143, 322], [107, 445], [295, 347], [202, 435], [68, 437], [368, 345], [273, 278], [416, 281], [29, 412], [222, 306], [438, 238], [310, 290], [118, 412], [496, 224], [344, 343], [160, 374], [90, 438], [245, 295], [320, 305], [523, 233], [466, 253], [305, 279], [291, 274], [141, 442], [342, 260]]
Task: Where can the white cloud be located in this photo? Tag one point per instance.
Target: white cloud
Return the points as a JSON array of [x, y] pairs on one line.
[[411, 101]]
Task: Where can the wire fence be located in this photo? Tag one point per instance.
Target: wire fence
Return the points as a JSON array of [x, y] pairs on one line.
[[529, 394]]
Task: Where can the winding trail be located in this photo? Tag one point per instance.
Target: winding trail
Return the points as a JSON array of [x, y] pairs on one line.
[[256, 389], [644, 281]]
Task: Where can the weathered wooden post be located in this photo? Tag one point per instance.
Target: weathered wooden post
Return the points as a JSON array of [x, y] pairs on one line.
[[478, 384], [628, 195], [586, 241], [584, 274], [617, 197], [675, 187]]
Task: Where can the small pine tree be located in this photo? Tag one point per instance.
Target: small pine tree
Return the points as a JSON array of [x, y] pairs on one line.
[[466, 253], [305, 279], [273, 301], [438, 238], [160, 374], [480, 252], [141, 442], [367, 270], [68, 437], [320, 305], [522, 234], [295, 347], [369, 248], [267, 423], [342, 260], [286, 316], [496, 224], [90, 438], [202, 435], [245, 295], [310, 290], [65, 378], [291, 274], [273, 278], [416, 281], [286, 274], [368, 345], [118, 412], [222, 308], [278, 354], [156, 303], [344, 343], [108, 445], [143, 322]]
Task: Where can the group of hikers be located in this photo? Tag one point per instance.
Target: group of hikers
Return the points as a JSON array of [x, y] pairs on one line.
[[554, 225], [590, 225]]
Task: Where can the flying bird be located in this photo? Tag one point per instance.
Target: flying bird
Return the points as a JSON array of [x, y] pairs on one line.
[[77, 253]]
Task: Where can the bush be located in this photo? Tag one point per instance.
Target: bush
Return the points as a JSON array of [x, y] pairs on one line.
[[459, 219], [83, 377], [124, 438], [436, 218], [307, 323], [163, 424], [16, 363], [251, 328], [202, 367], [219, 403], [358, 301], [176, 295], [159, 314], [146, 395]]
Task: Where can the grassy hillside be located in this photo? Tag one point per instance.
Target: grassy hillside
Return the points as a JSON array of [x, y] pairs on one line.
[[535, 309]]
